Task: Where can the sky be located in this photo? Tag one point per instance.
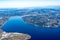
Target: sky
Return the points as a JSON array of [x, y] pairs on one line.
[[27, 3], [29, 0]]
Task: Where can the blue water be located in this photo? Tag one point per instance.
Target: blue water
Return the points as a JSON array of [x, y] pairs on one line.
[[16, 24]]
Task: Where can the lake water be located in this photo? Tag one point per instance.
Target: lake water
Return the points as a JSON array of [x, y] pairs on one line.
[[16, 24]]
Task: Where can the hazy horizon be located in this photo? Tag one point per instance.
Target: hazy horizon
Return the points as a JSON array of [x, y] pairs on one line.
[[26, 3]]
